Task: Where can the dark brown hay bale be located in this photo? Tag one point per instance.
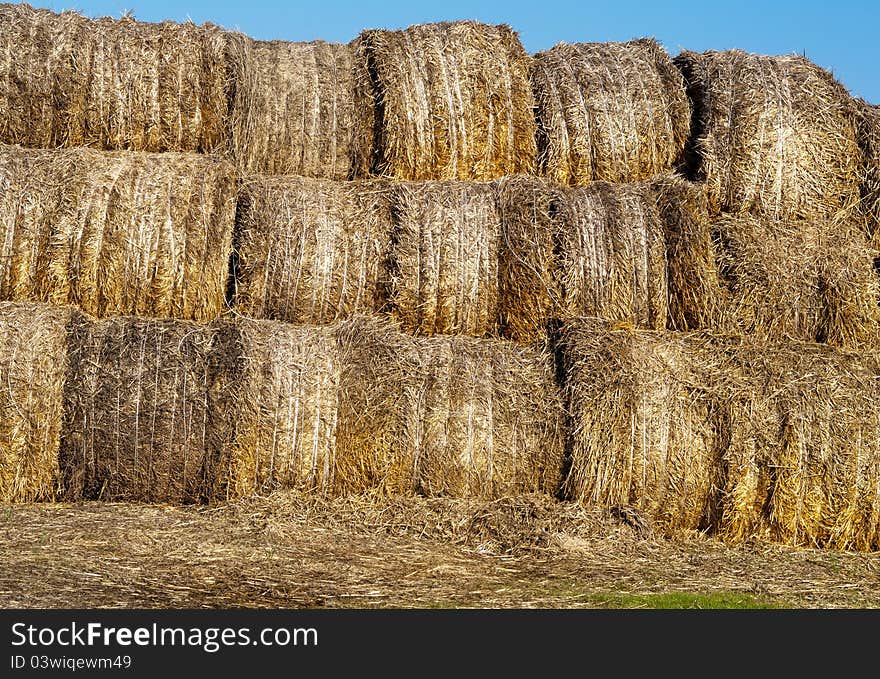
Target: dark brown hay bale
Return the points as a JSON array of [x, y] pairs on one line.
[[773, 135], [66, 80], [800, 280], [311, 250], [136, 411], [611, 250], [644, 430], [274, 407], [116, 233], [491, 420], [868, 118], [444, 258], [452, 101], [528, 291], [614, 111], [295, 110], [33, 364]]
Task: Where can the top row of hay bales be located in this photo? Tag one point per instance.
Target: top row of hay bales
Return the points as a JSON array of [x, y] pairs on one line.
[[447, 101]]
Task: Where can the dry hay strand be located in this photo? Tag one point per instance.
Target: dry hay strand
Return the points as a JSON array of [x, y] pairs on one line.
[[444, 258], [113, 84], [136, 411], [691, 272], [491, 420], [773, 135], [528, 293], [116, 232], [868, 118], [295, 110], [644, 430], [33, 365], [614, 111], [611, 250], [802, 280], [452, 101], [805, 467], [274, 407], [310, 250]]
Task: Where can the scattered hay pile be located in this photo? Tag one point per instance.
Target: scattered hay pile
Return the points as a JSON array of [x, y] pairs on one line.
[[444, 257], [295, 110], [727, 434], [491, 420], [274, 407], [66, 80], [452, 101], [612, 111], [773, 135], [869, 141], [116, 232], [310, 250], [33, 364], [136, 411], [644, 426], [597, 250]]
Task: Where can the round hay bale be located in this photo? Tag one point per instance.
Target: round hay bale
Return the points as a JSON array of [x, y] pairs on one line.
[[33, 367], [868, 118], [452, 101], [136, 420], [773, 135], [116, 233], [611, 250], [310, 250], [644, 429], [614, 111], [113, 83], [691, 271], [797, 280], [274, 407], [444, 258], [295, 110], [491, 420]]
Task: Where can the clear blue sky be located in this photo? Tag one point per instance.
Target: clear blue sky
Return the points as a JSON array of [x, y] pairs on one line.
[[842, 36]]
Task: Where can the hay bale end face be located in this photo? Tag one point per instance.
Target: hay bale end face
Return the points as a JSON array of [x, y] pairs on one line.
[[33, 365], [643, 431], [311, 250], [443, 275], [116, 232], [612, 111], [868, 117], [274, 407], [295, 110], [113, 83], [452, 101], [136, 411], [772, 135]]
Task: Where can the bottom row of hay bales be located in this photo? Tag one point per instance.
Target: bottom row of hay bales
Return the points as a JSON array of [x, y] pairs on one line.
[[152, 410], [727, 434]]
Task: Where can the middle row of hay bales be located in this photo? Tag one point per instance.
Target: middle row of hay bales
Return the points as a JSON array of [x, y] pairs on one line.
[[174, 235], [157, 410]]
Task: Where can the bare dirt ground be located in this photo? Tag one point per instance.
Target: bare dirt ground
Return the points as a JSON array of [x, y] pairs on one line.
[[284, 551]]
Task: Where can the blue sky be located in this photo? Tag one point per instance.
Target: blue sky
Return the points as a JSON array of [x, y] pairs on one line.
[[840, 36]]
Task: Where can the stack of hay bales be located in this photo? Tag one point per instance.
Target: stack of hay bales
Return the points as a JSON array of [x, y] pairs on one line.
[[726, 434], [296, 111], [137, 418], [615, 112], [443, 276], [310, 250], [33, 366], [773, 135], [66, 80], [116, 232], [452, 101]]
